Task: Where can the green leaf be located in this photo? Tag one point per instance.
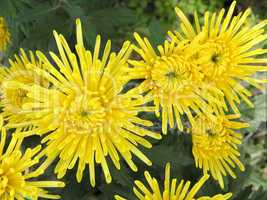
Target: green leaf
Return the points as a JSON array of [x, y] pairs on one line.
[[255, 116], [172, 149], [121, 176], [244, 194], [115, 16], [260, 194], [249, 194], [257, 180], [157, 32], [39, 11]]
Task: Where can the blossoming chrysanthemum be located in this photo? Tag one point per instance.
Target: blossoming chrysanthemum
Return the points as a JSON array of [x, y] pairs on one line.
[[12, 98], [15, 177], [85, 113], [4, 35], [173, 80], [171, 190], [215, 145], [228, 52]]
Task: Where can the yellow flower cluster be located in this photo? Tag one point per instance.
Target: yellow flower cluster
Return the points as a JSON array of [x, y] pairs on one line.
[[172, 189], [215, 145], [200, 73], [77, 102], [15, 171]]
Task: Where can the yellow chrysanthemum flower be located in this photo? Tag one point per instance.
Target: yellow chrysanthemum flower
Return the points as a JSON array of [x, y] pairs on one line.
[[13, 98], [85, 112], [215, 145], [15, 176], [4, 35], [173, 80], [228, 52], [172, 190]]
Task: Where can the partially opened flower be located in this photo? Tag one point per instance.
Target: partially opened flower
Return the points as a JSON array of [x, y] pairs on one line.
[[173, 80], [4, 35], [86, 114], [228, 52], [172, 190], [15, 173], [13, 98], [215, 145]]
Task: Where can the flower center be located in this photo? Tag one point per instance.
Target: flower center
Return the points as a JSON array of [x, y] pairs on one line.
[[211, 133], [171, 74], [215, 58], [3, 184], [10, 179], [14, 98], [210, 136], [84, 115]]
